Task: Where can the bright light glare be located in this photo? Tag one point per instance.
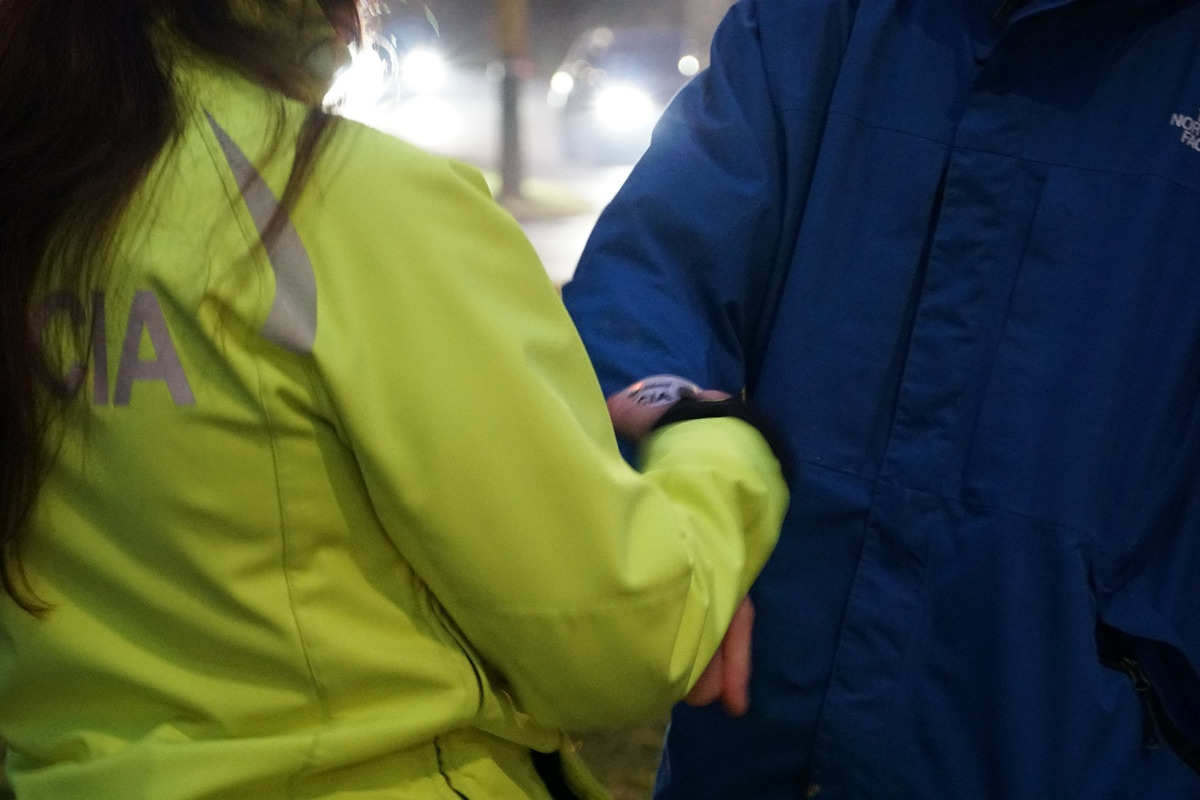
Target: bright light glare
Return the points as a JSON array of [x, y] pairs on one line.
[[361, 84], [624, 107], [428, 121], [689, 66], [562, 82], [423, 70]]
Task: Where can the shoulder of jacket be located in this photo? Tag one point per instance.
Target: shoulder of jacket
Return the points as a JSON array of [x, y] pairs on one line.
[[373, 159]]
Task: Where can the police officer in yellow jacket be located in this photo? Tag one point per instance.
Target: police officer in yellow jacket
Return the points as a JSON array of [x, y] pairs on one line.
[[321, 498]]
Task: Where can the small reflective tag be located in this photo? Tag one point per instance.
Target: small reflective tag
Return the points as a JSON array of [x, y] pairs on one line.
[[660, 389]]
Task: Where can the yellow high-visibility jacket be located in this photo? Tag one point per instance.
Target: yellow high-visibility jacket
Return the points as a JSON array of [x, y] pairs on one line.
[[344, 517]]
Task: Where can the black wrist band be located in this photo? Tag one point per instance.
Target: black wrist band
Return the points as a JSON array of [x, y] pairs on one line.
[[689, 408]]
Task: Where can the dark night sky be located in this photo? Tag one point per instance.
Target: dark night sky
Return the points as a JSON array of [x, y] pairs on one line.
[[467, 26]]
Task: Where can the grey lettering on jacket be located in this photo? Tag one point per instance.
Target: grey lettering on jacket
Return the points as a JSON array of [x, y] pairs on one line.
[[145, 319], [100, 351], [146, 315], [71, 381], [292, 322]]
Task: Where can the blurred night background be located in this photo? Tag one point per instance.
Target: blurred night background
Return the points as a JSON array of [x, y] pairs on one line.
[[553, 99]]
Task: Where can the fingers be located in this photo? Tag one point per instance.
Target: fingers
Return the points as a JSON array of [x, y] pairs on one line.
[[631, 419], [727, 676], [735, 650], [708, 687]]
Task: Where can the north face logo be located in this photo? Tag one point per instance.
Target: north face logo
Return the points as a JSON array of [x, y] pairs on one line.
[[1191, 129]]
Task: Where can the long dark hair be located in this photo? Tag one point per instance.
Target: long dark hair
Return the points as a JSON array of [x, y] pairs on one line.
[[86, 105]]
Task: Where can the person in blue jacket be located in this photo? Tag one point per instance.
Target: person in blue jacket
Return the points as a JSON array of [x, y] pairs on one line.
[[953, 246]]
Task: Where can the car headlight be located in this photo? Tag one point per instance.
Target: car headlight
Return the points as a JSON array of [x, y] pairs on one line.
[[423, 70], [561, 84], [624, 107]]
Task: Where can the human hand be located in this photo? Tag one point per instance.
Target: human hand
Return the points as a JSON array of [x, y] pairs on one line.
[[727, 676], [636, 408]]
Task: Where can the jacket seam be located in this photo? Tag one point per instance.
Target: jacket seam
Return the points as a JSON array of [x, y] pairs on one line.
[[973, 504], [285, 551], [584, 605], [952, 146]]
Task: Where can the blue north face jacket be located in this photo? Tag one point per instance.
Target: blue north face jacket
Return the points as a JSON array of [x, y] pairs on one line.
[[954, 247]]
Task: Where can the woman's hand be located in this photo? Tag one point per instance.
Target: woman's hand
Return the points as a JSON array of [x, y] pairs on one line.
[[636, 408], [727, 676]]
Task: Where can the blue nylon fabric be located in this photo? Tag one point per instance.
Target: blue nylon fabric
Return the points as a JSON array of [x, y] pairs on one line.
[[984, 242]]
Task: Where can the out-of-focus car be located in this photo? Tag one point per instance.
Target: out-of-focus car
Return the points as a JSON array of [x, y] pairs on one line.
[[613, 86], [401, 54], [404, 79]]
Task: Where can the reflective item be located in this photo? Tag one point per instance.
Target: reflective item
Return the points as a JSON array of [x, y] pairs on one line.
[[661, 389]]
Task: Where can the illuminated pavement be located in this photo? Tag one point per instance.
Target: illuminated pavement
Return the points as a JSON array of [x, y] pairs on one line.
[[559, 240]]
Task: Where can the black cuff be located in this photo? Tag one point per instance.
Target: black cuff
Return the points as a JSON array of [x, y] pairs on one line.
[[689, 408]]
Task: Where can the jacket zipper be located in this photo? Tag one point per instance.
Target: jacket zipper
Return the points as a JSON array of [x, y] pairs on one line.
[[1143, 689], [1157, 725]]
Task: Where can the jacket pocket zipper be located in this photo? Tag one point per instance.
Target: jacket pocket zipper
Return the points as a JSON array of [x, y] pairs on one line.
[[1157, 725]]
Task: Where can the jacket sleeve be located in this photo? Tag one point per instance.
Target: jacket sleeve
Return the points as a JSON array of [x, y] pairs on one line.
[[456, 377], [682, 269]]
